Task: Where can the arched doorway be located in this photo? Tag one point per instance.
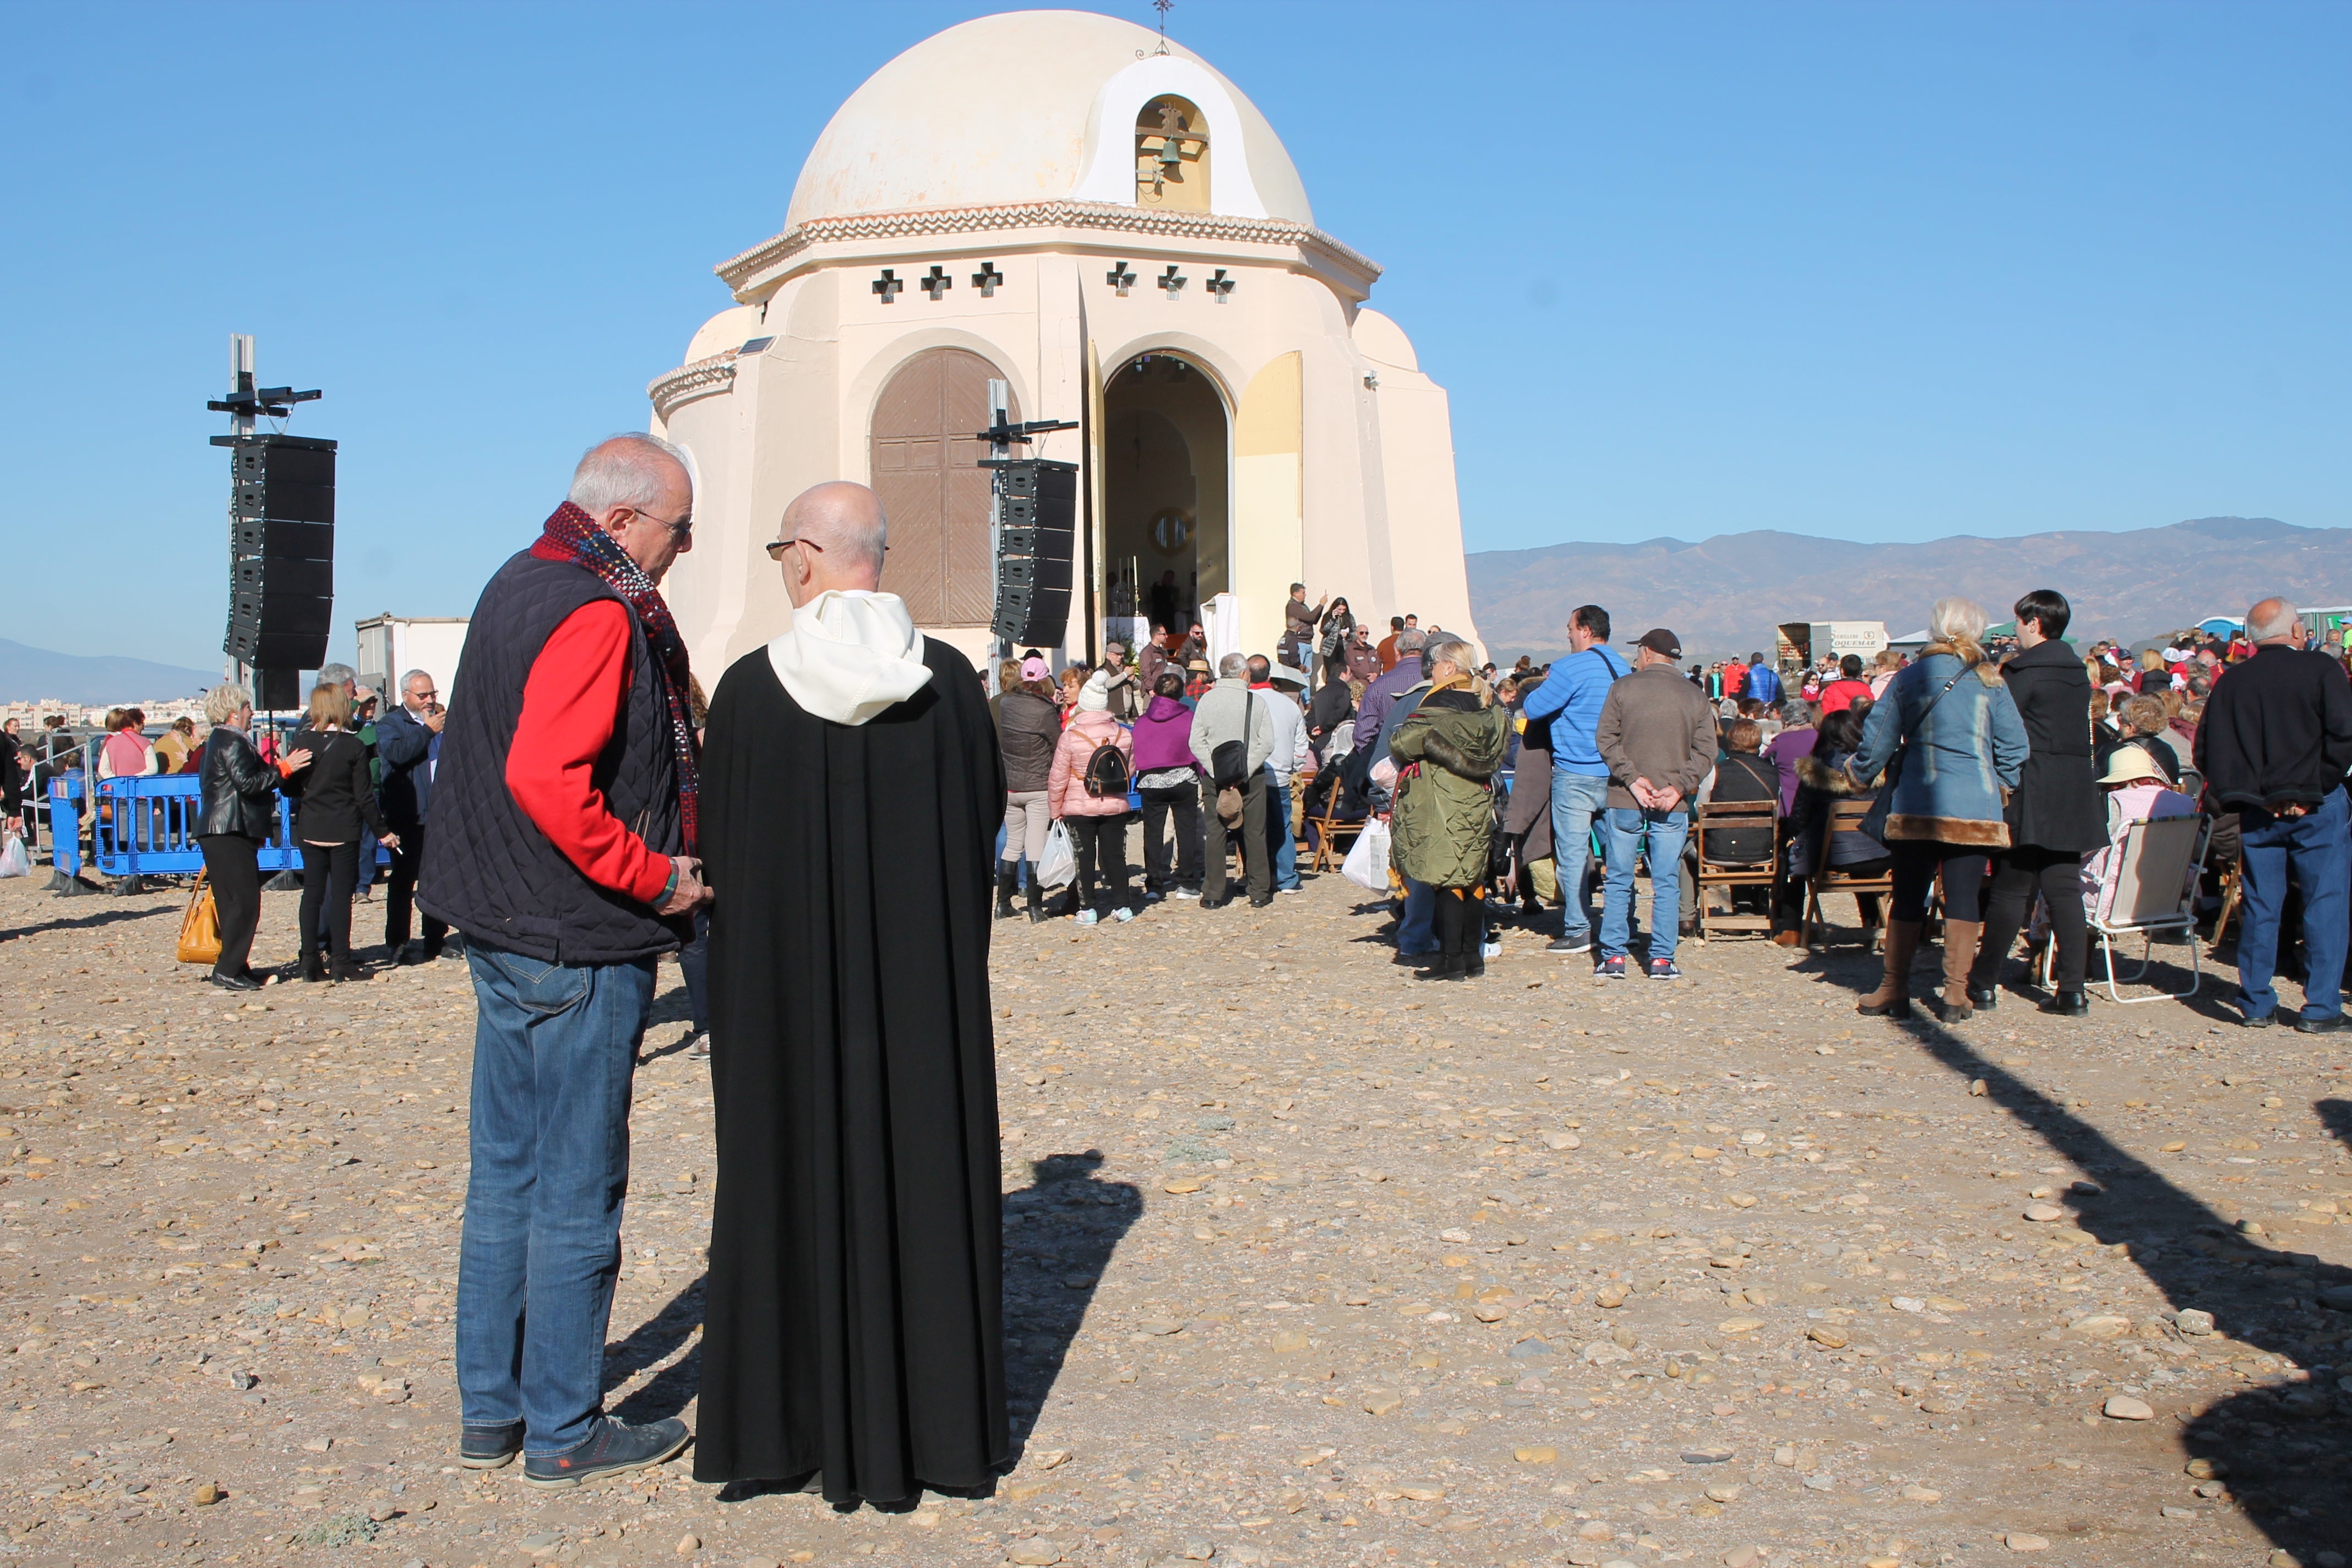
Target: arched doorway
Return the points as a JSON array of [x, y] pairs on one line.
[[1165, 488], [925, 469]]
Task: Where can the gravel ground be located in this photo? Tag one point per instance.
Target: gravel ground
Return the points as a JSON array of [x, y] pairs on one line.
[[1306, 1263]]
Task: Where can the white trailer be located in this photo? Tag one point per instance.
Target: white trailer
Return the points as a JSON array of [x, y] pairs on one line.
[[1803, 643], [391, 645]]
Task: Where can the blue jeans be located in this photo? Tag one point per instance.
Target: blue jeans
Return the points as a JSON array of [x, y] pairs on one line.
[[1626, 827], [2318, 845], [1576, 800], [1277, 831], [555, 1047], [1417, 926]]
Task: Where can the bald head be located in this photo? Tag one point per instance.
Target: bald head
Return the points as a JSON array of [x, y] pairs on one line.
[[2272, 620], [841, 536]]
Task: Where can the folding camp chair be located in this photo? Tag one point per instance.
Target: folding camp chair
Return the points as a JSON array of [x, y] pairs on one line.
[[2154, 890], [1750, 814]]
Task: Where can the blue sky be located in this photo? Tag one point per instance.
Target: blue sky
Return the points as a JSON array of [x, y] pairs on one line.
[[1859, 270]]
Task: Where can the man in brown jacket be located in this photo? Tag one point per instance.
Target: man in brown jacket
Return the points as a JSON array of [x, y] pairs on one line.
[[1657, 734]]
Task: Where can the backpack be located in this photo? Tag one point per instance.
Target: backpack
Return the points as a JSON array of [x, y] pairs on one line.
[[1106, 774]]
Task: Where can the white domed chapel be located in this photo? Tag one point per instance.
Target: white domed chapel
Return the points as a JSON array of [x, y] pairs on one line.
[[1060, 200]]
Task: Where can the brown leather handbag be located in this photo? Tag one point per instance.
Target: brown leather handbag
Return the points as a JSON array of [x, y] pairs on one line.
[[199, 938]]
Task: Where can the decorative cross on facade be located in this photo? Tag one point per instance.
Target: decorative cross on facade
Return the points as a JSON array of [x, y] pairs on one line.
[[1169, 281], [986, 279], [1170, 154], [937, 283], [1218, 286], [888, 285], [1120, 277]]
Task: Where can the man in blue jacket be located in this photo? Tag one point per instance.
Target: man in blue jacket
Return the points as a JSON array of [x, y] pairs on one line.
[[408, 744], [1569, 700], [1763, 681]]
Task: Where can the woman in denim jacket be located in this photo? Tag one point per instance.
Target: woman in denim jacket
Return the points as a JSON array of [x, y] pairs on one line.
[[1951, 733]]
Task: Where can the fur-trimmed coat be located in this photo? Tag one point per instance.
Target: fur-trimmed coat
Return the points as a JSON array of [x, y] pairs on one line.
[[1445, 815], [1956, 756]]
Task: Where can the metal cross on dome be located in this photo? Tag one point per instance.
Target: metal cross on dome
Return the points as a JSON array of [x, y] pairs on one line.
[[1120, 277], [937, 283]]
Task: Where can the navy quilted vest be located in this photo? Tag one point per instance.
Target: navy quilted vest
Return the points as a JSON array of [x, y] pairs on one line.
[[489, 871]]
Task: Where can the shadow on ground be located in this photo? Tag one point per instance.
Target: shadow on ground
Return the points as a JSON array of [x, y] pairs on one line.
[[2283, 1445], [672, 1389], [1059, 1233], [90, 921]]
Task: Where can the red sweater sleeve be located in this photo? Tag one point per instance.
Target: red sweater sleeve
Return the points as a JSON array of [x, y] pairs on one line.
[[569, 703]]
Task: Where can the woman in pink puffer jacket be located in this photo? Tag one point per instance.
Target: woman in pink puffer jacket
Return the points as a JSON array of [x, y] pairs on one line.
[[1097, 823]]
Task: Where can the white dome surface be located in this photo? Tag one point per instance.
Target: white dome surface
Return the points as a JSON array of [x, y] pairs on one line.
[[1033, 106]]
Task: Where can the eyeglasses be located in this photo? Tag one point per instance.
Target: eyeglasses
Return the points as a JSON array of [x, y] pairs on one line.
[[776, 548], [683, 527]]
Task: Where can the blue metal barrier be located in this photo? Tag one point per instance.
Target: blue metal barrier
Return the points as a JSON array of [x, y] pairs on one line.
[[146, 826]]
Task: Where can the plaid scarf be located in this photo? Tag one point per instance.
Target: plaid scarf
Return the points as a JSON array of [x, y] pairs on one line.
[[572, 536]]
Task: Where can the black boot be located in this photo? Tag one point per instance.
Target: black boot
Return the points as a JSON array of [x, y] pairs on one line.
[[1036, 897], [2075, 1004], [1007, 873]]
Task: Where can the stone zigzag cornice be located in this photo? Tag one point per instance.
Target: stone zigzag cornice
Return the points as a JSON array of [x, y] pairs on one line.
[[703, 378], [764, 261]]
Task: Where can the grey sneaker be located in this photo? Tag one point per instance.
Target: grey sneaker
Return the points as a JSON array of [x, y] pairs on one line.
[[1569, 944], [612, 1448], [488, 1447], [698, 1049]]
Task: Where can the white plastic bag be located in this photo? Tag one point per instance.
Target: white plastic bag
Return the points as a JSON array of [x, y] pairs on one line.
[[1367, 864], [1058, 866], [13, 862]]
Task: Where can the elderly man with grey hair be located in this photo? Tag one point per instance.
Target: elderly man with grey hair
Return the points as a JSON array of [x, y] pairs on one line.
[[2274, 745], [1233, 737], [563, 845], [408, 748], [1380, 696]]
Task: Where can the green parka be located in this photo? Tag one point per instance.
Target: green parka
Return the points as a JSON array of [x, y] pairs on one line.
[[1444, 820]]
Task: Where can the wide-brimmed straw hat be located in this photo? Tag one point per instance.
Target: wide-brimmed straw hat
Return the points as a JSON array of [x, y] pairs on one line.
[[2131, 764]]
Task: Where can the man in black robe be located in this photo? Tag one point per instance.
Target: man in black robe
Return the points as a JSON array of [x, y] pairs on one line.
[[851, 791]]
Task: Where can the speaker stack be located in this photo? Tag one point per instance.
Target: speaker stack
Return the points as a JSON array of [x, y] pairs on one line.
[[1037, 502], [281, 560]]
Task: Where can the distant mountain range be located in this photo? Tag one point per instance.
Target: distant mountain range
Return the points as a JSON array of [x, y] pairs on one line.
[[1725, 596], [29, 674]]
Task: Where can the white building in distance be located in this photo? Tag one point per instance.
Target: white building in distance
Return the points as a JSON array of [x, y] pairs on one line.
[[1061, 201]]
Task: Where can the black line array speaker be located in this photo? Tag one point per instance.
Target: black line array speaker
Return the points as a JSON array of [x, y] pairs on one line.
[[281, 553], [1036, 540]]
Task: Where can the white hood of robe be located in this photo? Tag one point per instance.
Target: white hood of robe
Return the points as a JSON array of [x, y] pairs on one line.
[[849, 655]]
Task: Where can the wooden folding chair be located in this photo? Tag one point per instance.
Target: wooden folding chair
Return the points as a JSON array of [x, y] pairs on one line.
[[2234, 892], [1328, 853], [1751, 814], [1846, 816]]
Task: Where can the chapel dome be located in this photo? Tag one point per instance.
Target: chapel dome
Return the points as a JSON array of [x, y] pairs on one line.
[[1034, 106]]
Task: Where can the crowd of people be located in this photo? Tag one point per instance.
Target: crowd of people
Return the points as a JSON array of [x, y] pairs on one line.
[[828, 840]]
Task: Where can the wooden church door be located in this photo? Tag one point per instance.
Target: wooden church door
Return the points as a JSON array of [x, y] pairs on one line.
[[925, 456]]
